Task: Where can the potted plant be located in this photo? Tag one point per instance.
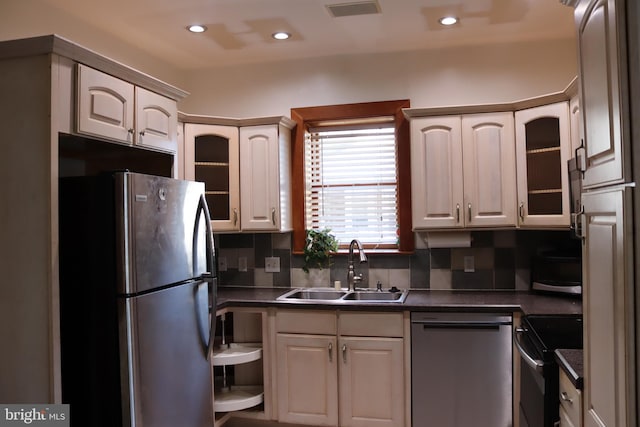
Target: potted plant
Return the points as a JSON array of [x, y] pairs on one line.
[[318, 249]]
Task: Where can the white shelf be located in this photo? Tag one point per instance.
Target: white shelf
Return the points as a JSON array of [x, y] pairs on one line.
[[237, 398], [235, 354]]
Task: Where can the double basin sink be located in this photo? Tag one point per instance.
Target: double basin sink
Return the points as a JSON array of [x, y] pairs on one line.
[[327, 295]]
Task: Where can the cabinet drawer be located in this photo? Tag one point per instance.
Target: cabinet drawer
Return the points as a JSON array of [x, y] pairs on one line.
[[370, 324], [570, 399], [306, 322]]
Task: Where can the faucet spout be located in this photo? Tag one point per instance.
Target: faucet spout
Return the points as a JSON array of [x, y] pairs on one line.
[[352, 278]]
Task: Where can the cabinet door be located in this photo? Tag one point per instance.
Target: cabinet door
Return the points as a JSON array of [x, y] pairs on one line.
[[565, 420], [259, 178], [371, 382], [156, 121], [608, 309], [600, 85], [307, 379], [104, 105], [436, 173], [211, 155], [489, 160], [542, 150]]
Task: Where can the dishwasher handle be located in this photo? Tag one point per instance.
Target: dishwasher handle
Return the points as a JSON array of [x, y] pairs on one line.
[[460, 324], [531, 361]]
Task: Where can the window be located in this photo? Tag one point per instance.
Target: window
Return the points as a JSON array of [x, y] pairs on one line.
[[351, 174], [351, 182]]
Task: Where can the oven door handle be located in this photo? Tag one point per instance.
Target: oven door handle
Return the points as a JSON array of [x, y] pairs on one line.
[[532, 362]]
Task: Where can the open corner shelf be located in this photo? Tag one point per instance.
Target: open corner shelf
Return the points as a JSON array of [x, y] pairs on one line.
[[235, 354]]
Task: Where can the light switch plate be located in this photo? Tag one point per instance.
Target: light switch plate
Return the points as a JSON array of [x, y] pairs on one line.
[[222, 263], [469, 264], [242, 263], [272, 264]]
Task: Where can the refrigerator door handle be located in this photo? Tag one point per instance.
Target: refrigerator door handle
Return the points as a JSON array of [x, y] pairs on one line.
[[209, 277]]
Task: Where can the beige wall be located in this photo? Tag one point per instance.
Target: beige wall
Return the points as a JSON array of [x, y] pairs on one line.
[[464, 75], [474, 75], [27, 18]]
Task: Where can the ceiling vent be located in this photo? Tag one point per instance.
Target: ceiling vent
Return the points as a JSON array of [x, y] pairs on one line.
[[354, 8]]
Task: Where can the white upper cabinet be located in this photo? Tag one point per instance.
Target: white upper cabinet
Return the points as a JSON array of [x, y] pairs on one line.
[[212, 156], [246, 171], [600, 88], [463, 171], [542, 145], [436, 172], [110, 108], [489, 156], [105, 105], [265, 178], [156, 121]]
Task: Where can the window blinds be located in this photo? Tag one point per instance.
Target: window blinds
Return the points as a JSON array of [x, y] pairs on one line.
[[351, 183]]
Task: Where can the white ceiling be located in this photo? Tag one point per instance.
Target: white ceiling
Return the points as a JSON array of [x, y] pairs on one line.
[[240, 30]]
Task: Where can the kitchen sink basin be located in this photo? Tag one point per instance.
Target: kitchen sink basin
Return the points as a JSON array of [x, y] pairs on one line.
[[314, 294], [375, 296], [328, 295]]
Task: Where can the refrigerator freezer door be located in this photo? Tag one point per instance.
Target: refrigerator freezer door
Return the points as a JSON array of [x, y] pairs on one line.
[[157, 221], [168, 382]]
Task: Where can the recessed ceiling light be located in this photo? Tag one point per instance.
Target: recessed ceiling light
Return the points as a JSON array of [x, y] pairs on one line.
[[448, 20], [197, 28], [280, 35]]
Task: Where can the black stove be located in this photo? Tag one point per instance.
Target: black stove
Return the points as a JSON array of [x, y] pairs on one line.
[[550, 332], [536, 339]]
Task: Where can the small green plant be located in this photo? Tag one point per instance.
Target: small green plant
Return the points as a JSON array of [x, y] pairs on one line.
[[318, 248]]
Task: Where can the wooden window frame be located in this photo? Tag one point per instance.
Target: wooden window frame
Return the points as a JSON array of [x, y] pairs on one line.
[[309, 115]]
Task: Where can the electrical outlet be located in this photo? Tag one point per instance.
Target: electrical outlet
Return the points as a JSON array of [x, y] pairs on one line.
[[222, 263], [242, 263], [272, 264], [469, 264]]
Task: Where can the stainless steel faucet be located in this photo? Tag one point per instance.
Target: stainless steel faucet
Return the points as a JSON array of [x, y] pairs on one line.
[[352, 278]]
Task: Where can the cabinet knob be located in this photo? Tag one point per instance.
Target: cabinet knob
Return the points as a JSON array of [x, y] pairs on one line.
[[142, 133], [458, 213], [330, 352], [344, 353], [565, 397], [273, 216], [521, 211], [235, 216], [130, 130], [469, 209]]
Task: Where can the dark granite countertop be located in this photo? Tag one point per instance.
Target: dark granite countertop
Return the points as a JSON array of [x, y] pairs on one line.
[[571, 362], [417, 300]]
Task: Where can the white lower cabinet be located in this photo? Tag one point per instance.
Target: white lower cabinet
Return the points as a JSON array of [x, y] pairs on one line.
[[348, 370], [371, 388], [570, 403], [307, 379]]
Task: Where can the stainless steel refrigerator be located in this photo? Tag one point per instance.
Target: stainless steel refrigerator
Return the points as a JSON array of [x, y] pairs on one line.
[[137, 285]]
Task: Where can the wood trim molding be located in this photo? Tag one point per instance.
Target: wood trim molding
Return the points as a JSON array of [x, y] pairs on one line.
[[305, 115], [564, 95]]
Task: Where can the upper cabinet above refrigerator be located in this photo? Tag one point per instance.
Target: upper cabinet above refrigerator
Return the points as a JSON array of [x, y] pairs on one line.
[[114, 109]]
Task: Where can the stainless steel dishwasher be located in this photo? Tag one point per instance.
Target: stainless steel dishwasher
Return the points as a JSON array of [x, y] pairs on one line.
[[461, 370]]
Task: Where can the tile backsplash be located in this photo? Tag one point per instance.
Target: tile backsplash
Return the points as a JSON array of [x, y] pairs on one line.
[[494, 260]]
